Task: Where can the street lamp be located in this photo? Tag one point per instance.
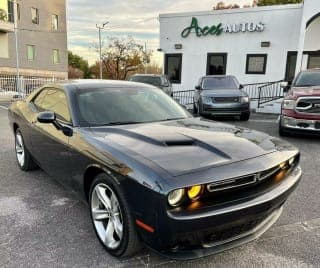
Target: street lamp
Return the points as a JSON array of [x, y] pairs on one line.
[[15, 18], [101, 27]]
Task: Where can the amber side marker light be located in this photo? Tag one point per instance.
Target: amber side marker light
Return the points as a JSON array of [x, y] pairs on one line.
[[145, 226]]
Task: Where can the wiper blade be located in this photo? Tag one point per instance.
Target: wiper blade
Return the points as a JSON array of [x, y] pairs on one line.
[[172, 119], [119, 123]]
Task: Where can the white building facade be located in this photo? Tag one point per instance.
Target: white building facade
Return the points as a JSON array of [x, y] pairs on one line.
[[261, 44]]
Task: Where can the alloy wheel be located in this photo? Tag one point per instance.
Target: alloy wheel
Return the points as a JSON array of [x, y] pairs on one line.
[[106, 215], [20, 153]]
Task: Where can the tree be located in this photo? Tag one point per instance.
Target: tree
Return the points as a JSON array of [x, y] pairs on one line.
[[78, 66], [277, 2], [123, 56], [221, 5]]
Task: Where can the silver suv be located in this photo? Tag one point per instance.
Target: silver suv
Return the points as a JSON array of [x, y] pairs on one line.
[[221, 95], [157, 80]]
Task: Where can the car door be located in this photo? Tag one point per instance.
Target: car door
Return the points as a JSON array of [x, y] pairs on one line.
[[50, 145]]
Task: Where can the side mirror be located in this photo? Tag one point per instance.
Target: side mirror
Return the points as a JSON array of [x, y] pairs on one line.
[[49, 117], [241, 86], [197, 87], [166, 85], [46, 117], [284, 84]]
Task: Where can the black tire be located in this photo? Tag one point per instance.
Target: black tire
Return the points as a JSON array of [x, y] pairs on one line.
[[282, 131], [195, 109], [28, 163], [245, 116], [130, 242]]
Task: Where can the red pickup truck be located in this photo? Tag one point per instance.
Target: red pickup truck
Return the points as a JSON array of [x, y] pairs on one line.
[[300, 111]]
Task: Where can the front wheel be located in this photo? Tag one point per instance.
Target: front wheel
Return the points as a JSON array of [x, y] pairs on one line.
[[245, 116], [24, 158], [111, 218], [282, 131]]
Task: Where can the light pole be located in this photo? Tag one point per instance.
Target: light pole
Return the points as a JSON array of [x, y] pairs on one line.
[[15, 21], [101, 27]]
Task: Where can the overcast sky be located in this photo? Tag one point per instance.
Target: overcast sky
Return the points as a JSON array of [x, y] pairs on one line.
[[136, 18]]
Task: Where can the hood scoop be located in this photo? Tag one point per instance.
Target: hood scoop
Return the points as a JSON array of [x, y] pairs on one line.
[[186, 142]]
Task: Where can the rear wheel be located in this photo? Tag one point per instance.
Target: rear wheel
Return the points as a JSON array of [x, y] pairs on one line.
[[245, 116], [24, 158], [111, 218]]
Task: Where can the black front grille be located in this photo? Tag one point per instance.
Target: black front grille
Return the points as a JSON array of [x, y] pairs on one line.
[[308, 105], [226, 99], [215, 235], [232, 232]]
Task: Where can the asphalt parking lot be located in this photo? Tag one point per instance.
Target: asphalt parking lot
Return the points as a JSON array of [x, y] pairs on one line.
[[43, 225]]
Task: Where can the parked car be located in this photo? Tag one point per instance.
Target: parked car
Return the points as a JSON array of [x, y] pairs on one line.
[[300, 111], [8, 96], [157, 80], [152, 172], [221, 95]]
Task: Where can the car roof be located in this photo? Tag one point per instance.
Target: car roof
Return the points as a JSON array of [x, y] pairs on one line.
[[151, 75], [218, 76], [314, 70]]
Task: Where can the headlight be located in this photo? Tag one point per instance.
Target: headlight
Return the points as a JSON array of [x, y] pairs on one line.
[[176, 197], [206, 100], [194, 192], [284, 165], [292, 160], [245, 99], [289, 104]]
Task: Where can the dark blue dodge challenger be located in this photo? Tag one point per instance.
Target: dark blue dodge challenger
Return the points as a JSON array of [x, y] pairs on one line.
[[150, 171]]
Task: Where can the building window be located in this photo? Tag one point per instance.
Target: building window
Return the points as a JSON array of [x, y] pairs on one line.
[[314, 61], [256, 64], [216, 63], [54, 22], [56, 56], [18, 11], [291, 66], [35, 15], [10, 11], [173, 64], [31, 52]]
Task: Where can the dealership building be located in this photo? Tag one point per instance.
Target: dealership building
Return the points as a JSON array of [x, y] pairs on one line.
[[260, 44]]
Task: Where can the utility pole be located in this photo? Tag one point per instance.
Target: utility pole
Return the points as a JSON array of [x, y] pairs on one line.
[[145, 58], [100, 44], [15, 20]]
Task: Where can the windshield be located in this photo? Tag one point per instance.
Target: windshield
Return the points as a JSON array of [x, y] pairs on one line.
[[219, 83], [308, 79], [116, 106], [151, 80]]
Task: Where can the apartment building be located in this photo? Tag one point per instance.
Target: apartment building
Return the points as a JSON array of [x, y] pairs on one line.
[[41, 38]]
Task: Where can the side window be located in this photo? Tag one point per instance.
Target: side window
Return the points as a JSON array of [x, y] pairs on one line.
[[39, 98], [54, 100]]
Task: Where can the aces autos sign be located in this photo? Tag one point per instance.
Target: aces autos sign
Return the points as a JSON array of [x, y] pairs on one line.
[[218, 29]]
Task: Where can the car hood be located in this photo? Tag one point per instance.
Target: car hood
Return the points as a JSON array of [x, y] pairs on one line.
[[305, 91], [222, 93], [183, 146]]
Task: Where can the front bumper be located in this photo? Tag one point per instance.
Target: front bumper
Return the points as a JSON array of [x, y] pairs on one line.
[[189, 236], [229, 109], [300, 124]]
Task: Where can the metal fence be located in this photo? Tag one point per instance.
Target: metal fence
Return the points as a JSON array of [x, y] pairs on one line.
[[184, 97], [270, 92], [260, 92], [10, 85]]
